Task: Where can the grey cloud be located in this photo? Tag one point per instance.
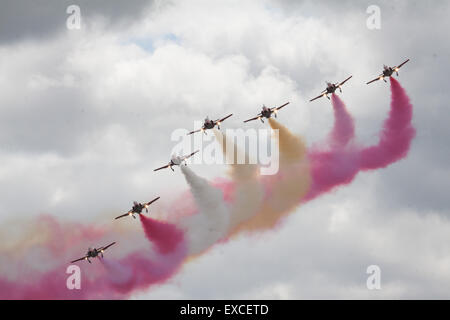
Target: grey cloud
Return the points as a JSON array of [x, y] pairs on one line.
[[107, 138], [37, 20]]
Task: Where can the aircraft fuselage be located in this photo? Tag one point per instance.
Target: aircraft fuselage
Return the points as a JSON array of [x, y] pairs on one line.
[[92, 253], [209, 124], [267, 113], [388, 72], [137, 208], [331, 89]]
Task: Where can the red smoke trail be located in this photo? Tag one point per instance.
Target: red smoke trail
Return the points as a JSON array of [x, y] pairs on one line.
[[50, 285], [340, 164], [334, 162], [330, 169], [138, 271], [104, 278], [344, 128], [165, 236], [397, 134], [117, 280], [337, 161]]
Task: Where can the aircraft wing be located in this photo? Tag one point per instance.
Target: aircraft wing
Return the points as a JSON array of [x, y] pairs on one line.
[[376, 79], [106, 247], [316, 98], [188, 156], [400, 65], [340, 84], [149, 203], [78, 259], [255, 118], [194, 131], [166, 166], [278, 108], [124, 215], [225, 117]]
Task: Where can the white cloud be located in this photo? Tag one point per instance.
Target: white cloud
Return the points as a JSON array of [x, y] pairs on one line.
[[87, 116]]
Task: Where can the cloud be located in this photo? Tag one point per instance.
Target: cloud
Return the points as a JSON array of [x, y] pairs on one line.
[[87, 115], [20, 20]]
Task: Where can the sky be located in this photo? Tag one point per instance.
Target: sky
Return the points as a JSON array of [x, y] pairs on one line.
[[86, 115]]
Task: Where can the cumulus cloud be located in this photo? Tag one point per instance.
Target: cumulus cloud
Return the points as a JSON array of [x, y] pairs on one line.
[[86, 115]]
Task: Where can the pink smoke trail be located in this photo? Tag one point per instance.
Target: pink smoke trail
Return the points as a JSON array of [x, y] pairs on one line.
[[165, 236], [337, 161], [104, 279], [330, 169], [397, 134], [339, 165], [344, 128], [138, 271], [335, 164]]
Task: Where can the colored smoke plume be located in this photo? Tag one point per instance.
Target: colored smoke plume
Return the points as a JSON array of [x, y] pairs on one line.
[[40, 271], [396, 135], [210, 223], [34, 263], [283, 189], [246, 191], [339, 165]]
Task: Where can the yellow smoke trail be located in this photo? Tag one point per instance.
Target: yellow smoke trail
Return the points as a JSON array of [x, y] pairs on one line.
[[287, 187], [292, 147], [248, 191], [19, 236]]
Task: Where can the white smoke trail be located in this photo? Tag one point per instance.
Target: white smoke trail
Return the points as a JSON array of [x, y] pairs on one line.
[[210, 223]]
